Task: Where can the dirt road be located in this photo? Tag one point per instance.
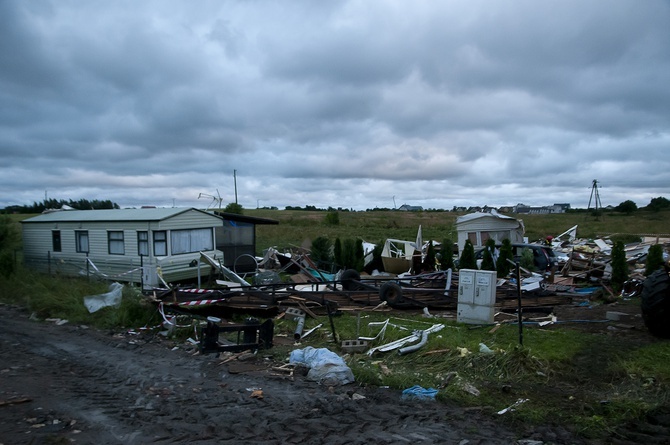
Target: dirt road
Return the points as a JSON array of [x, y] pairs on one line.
[[71, 384]]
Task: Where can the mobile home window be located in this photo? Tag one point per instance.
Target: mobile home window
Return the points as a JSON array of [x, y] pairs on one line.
[[55, 240], [115, 242], [143, 243], [160, 243], [81, 240], [194, 240]]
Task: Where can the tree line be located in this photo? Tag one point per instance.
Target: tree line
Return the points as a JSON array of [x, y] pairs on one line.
[[47, 204]]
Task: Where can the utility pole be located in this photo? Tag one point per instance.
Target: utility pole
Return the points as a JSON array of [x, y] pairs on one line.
[[235, 180], [595, 196]]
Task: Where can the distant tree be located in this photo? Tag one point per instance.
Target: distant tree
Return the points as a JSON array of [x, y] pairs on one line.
[[467, 259], [447, 260], [627, 207], [488, 262], [658, 204], [654, 259], [235, 208], [619, 265], [332, 218], [503, 266]]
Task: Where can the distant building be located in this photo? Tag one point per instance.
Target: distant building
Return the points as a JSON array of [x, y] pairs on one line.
[[541, 210], [409, 208]]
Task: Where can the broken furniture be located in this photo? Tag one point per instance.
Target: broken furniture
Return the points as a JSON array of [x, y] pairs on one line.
[[254, 335]]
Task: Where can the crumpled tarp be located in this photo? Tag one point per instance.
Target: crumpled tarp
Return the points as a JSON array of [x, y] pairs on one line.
[[112, 298], [325, 366]]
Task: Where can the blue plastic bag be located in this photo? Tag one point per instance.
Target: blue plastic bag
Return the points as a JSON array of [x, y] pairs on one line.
[[418, 392]]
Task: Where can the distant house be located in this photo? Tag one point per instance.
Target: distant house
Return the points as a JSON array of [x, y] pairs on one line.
[[560, 208], [479, 227], [236, 238], [543, 210], [133, 245], [409, 208]]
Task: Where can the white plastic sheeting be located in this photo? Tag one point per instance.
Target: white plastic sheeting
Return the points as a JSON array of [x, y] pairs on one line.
[[112, 298], [325, 366]]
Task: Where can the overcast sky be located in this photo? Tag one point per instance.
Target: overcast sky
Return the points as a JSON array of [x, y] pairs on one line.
[[353, 104]]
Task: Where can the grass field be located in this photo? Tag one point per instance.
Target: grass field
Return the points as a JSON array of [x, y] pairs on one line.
[[295, 227]]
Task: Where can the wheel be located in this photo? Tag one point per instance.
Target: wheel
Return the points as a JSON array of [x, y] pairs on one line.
[[391, 293], [655, 303], [350, 279]]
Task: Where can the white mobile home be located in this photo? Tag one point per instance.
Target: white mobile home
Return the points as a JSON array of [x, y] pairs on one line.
[[133, 245], [479, 227]]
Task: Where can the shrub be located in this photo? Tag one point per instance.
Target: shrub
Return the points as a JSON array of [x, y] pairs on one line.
[[527, 260], [502, 265], [235, 208], [332, 218], [337, 252], [654, 259], [488, 263], [320, 251], [619, 265], [467, 259], [429, 261], [447, 261]]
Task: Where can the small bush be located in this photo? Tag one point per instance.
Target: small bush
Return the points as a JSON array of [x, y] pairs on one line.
[[332, 218], [527, 260], [654, 259], [467, 259], [503, 266]]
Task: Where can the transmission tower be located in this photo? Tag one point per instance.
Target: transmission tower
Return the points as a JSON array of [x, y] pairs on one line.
[[595, 197]]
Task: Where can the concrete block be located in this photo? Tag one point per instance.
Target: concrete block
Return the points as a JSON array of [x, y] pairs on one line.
[[354, 346], [617, 316]]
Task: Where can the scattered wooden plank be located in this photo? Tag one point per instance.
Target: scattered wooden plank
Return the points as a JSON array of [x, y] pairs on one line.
[[11, 402]]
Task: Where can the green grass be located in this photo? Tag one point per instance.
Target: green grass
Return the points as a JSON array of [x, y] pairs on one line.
[[574, 378], [295, 227], [60, 297]]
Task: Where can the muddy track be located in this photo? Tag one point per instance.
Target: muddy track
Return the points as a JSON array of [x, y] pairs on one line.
[[77, 385]]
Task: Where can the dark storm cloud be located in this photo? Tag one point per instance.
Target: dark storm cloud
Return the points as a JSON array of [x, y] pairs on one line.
[[442, 104]]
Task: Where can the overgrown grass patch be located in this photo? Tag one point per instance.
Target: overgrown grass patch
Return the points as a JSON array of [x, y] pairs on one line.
[[649, 362], [63, 297]]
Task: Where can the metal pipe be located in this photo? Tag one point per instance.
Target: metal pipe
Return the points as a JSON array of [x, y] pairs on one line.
[[298, 330], [415, 347]]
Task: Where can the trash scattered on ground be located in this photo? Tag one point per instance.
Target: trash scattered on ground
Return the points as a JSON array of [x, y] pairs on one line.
[[485, 349], [418, 392], [512, 406], [470, 389], [112, 298], [325, 366]]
